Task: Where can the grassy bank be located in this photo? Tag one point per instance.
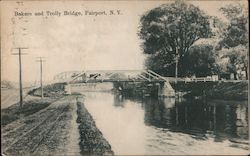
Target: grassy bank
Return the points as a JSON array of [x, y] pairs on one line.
[[92, 141], [229, 91], [214, 90]]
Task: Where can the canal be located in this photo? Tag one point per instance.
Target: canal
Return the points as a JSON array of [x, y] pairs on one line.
[[166, 126]]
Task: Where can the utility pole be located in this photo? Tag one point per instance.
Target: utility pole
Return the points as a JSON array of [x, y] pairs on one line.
[[176, 64], [20, 74], [41, 74]]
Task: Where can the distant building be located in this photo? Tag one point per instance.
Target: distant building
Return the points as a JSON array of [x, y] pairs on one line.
[[6, 85]]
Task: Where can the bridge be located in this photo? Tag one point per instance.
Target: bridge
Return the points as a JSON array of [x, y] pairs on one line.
[[122, 76]]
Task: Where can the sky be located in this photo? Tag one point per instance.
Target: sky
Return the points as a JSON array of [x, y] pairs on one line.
[[103, 42]]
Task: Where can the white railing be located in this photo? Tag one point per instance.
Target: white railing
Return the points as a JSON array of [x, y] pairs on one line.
[[197, 79]]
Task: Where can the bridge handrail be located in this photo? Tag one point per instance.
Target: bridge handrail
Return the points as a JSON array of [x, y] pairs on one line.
[[78, 75], [152, 72], [187, 79], [144, 77], [165, 79]]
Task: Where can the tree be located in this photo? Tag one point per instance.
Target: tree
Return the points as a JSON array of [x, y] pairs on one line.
[[201, 61], [234, 43], [167, 33], [236, 32], [237, 59]]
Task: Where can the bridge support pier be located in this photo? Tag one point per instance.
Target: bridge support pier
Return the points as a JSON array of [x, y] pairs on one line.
[[160, 89], [67, 89], [166, 90]]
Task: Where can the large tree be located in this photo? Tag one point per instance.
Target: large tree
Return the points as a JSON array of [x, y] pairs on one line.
[[167, 33]]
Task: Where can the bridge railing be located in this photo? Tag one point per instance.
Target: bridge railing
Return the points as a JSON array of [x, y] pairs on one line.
[[198, 79]]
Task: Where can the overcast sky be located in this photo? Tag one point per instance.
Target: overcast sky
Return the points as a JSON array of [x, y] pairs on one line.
[[76, 42]]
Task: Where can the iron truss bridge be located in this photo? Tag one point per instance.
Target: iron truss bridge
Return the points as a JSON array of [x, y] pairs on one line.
[[95, 76]]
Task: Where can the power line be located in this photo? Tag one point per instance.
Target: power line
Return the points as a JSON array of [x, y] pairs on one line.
[[20, 73], [41, 60]]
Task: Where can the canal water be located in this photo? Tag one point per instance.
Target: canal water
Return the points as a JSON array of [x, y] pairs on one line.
[[167, 126]]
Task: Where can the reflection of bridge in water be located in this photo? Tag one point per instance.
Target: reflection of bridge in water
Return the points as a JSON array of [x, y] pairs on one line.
[[125, 78]]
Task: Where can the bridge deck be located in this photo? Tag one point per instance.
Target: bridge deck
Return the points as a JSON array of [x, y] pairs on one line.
[[112, 80]]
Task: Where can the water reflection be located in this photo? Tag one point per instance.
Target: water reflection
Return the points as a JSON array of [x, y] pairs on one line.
[[219, 119], [119, 101], [224, 120]]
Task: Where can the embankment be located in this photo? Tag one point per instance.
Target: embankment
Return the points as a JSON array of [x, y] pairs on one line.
[[214, 90], [41, 128], [92, 141], [52, 90]]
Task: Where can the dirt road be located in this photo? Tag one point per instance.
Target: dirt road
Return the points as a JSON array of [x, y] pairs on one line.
[[47, 132]]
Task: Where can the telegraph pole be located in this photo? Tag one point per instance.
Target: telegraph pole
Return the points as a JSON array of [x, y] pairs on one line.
[[41, 74], [176, 64], [20, 73]]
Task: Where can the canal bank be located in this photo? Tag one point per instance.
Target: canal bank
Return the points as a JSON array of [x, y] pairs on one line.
[[223, 90], [235, 90], [92, 141]]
